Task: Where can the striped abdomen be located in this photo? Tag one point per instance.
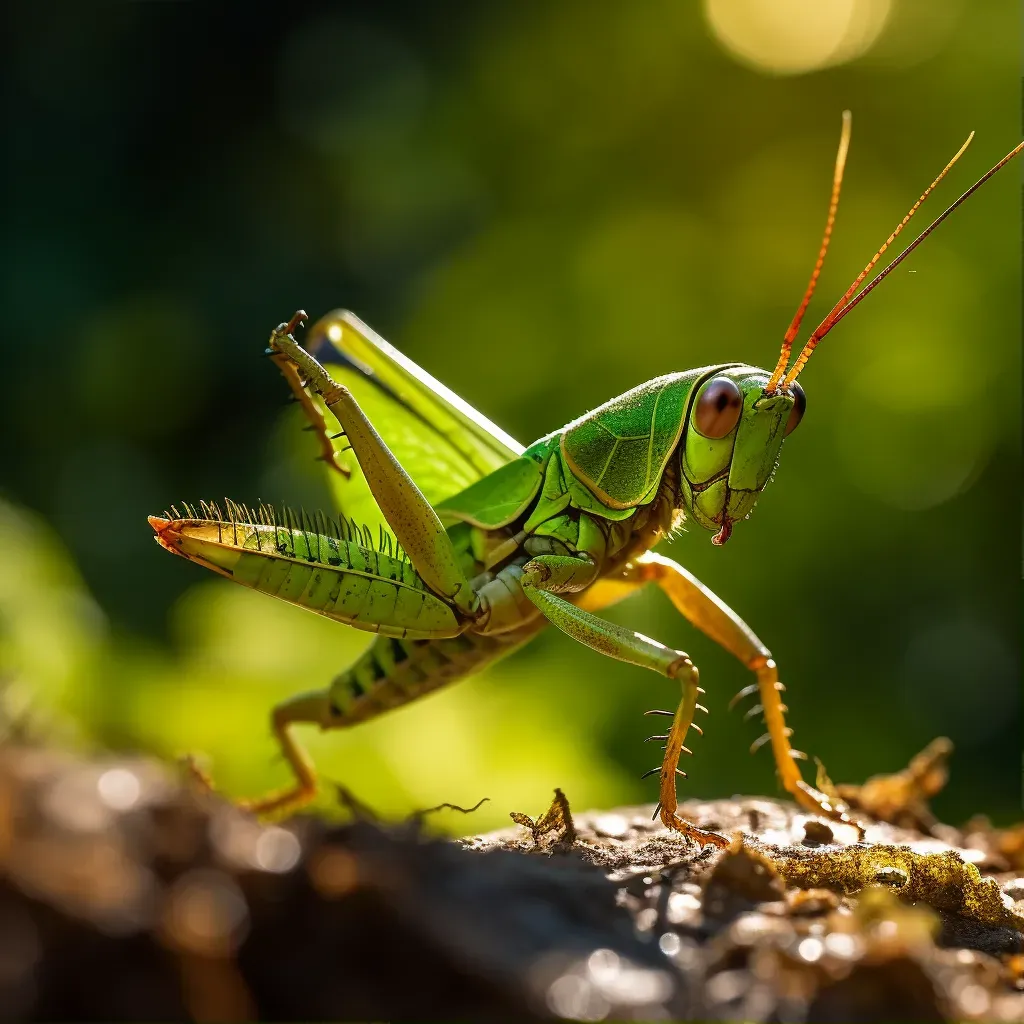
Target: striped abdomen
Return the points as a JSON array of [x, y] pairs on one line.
[[392, 671]]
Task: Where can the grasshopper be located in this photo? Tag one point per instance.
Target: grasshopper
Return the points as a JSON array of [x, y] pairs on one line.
[[494, 541]]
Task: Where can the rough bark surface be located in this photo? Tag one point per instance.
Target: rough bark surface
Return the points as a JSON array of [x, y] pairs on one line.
[[126, 895]]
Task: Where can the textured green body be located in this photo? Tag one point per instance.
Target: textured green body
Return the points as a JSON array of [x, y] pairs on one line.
[[548, 519], [603, 486], [392, 672], [595, 494], [498, 499], [619, 450], [501, 539]]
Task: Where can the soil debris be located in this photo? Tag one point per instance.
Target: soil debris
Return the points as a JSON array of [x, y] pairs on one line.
[[126, 895], [556, 819]]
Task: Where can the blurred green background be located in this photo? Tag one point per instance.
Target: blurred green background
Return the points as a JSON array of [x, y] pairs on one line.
[[543, 205]]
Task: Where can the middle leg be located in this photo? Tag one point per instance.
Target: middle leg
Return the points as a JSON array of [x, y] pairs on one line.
[[557, 572]]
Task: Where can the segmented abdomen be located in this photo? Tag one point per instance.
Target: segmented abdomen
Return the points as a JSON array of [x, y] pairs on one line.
[[393, 671]]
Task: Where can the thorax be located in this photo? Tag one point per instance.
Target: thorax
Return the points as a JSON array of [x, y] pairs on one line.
[[562, 520]]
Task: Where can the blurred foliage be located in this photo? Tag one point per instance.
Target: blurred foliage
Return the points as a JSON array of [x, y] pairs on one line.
[[543, 205]]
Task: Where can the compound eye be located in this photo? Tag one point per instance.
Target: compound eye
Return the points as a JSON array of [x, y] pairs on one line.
[[796, 414], [718, 407]]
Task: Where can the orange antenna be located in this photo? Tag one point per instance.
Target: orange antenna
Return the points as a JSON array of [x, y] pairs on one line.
[[844, 305], [794, 327]]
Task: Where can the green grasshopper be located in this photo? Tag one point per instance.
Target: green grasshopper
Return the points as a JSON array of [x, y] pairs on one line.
[[493, 541]]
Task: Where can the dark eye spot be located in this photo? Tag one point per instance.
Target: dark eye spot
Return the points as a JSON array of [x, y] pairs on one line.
[[718, 407], [796, 414]]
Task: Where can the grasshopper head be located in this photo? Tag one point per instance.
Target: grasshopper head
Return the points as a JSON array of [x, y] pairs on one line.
[[731, 442], [737, 421]]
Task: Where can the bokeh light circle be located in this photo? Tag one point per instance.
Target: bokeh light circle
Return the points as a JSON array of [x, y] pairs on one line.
[[792, 37]]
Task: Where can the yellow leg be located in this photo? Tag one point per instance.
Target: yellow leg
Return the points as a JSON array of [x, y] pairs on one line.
[[307, 708], [714, 618]]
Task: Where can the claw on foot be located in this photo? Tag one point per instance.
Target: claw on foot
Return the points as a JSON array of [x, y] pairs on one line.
[[272, 804], [297, 320], [277, 803], [703, 837]]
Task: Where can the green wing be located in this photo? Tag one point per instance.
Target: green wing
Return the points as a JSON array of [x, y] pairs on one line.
[[443, 442]]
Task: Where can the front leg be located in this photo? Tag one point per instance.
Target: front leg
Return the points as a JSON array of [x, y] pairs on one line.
[[565, 574], [714, 618]]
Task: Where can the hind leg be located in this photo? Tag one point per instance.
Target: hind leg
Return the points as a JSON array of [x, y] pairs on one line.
[[312, 708], [307, 708]]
